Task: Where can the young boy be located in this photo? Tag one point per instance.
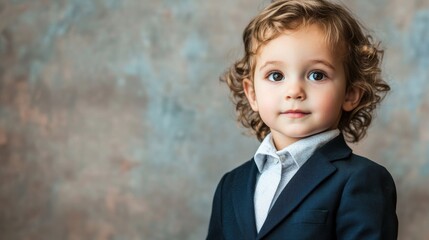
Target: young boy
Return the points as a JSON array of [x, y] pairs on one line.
[[309, 79]]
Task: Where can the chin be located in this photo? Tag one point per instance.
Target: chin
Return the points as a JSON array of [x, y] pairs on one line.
[[305, 134]]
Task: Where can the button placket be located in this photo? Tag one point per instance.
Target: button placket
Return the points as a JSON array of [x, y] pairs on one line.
[[266, 188]]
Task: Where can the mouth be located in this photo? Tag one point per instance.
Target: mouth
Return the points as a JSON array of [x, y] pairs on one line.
[[296, 113]]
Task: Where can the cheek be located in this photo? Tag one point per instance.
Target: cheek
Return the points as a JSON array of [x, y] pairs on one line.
[[329, 104], [264, 101], [268, 106]]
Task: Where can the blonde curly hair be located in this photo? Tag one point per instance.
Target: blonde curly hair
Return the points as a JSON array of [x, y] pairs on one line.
[[362, 58]]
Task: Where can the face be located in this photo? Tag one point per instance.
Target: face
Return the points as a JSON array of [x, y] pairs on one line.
[[299, 86]]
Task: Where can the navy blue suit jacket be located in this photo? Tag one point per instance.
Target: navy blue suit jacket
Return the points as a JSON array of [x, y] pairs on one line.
[[334, 195]]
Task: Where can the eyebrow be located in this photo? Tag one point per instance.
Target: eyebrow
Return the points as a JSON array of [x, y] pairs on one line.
[[321, 61], [269, 63], [313, 61]]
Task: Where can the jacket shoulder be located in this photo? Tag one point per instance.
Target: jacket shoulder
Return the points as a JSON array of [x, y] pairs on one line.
[[354, 161], [242, 170]]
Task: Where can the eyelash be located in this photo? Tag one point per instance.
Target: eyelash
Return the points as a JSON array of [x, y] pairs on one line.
[[271, 75]]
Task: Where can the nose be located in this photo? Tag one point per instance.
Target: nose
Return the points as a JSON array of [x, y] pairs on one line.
[[295, 90]]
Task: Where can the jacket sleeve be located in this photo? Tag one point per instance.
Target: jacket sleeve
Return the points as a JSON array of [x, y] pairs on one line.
[[215, 231], [368, 206]]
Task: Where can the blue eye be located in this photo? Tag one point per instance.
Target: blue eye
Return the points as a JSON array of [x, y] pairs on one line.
[[316, 76], [275, 76]]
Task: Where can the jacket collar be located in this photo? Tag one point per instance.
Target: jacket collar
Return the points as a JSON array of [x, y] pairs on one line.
[[311, 174]]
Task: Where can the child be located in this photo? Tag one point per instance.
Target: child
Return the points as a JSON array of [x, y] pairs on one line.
[[309, 79]]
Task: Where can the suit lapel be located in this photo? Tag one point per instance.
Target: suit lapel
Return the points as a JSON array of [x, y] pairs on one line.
[[311, 174], [243, 200]]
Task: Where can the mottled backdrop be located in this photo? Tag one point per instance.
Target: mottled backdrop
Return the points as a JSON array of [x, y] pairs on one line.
[[113, 124]]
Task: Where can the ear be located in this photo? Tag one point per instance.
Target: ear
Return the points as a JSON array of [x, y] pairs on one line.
[[352, 98], [249, 90]]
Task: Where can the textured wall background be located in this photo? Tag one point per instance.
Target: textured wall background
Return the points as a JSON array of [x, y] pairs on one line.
[[113, 124]]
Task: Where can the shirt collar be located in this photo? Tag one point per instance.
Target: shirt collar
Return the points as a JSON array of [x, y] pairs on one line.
[[300, 151]]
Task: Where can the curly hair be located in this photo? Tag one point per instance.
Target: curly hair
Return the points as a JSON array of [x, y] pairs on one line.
[[361, 59]]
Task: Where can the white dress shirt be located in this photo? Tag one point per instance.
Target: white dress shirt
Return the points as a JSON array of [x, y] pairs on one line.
[[276, 168]]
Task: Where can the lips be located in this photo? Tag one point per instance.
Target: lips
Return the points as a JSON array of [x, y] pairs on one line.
[[296, 113]]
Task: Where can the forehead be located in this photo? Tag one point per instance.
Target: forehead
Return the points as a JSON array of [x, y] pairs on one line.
[[266, 31], [305, 42]]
